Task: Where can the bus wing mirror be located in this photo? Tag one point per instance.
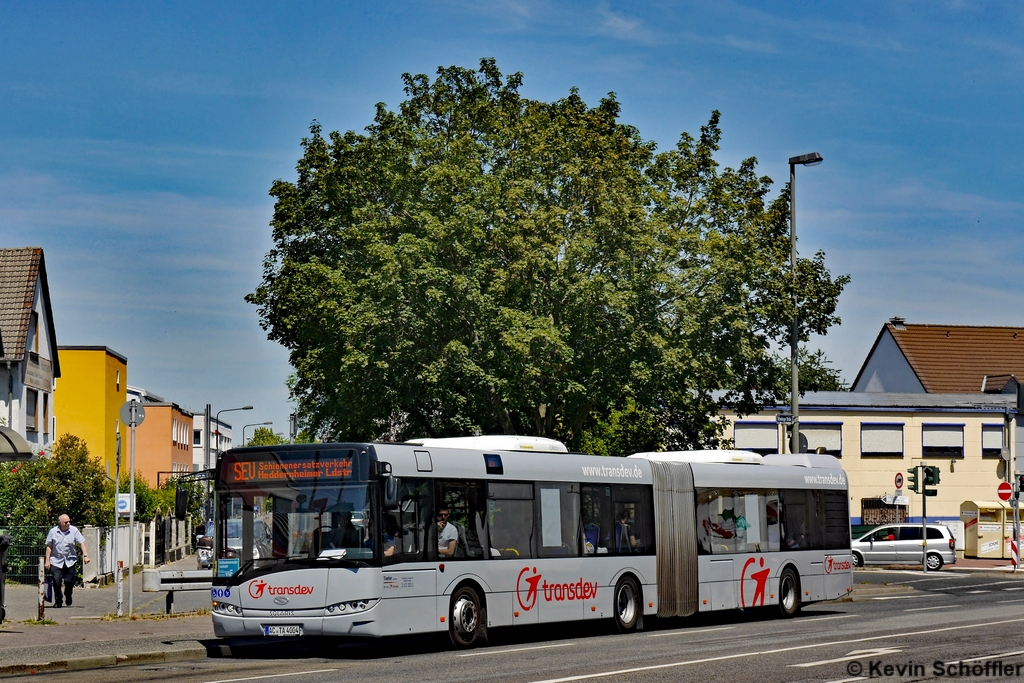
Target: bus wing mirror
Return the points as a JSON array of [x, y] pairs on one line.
[[180, 504], [391, 486]]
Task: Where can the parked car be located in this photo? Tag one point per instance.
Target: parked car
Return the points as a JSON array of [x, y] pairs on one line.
[[901, 544]]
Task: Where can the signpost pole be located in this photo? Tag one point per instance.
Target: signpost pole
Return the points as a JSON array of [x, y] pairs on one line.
[[131, 527], [117, 521]]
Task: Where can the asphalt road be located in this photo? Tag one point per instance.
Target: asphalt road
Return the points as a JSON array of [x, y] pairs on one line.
[[940, 618]]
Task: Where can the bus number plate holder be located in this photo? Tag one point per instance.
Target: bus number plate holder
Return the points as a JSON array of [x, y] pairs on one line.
[[283, 630]]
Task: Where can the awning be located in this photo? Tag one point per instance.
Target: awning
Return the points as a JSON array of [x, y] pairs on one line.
[[13, 446]]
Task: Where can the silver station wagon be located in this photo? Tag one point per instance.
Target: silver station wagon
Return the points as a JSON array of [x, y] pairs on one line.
[[901, 544]]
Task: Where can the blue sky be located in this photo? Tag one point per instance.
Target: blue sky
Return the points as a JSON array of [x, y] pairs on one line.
[[138, 143]]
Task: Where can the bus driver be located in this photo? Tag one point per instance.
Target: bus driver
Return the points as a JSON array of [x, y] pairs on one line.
[[447, 534]]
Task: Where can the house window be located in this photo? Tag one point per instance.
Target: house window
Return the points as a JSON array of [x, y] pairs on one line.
[[881, 439], [31, 409], [992, 441], [942, 440], [46, 414], [35, 332], [117, 381], [760, 437], [197, 437], [828, 437]]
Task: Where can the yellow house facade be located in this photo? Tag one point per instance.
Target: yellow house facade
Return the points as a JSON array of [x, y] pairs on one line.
[[88, 399], [972, 438]]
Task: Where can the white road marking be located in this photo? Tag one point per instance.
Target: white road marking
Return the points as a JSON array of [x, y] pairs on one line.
[[686, 632], [911, 572], [977, 592], [515, 649], [837, 616], [742, 655], [982, 659], [1013, 589], [921, 609], [907, 597], [856, 654], [977, 585], [849, 680], [256, 678]]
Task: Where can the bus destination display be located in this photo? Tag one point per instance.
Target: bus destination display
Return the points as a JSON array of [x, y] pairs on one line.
[[263, 471]]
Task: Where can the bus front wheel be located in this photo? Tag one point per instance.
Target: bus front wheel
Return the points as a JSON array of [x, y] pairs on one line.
[[466, 624], [789, 593], [627, 604]]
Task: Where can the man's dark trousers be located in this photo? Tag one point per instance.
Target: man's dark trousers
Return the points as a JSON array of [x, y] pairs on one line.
[[67, 575]]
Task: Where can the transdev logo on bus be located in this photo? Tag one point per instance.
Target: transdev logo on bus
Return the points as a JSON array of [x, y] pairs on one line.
[[825, 479], [528, 588], [832, 564], [258, 586]]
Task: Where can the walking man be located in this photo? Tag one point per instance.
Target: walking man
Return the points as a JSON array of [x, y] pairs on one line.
[[61, 558]]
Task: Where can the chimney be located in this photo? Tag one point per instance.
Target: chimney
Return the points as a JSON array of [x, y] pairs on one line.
[[898, 322]]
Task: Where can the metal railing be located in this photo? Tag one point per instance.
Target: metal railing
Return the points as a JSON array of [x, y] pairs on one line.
[[27, 546]]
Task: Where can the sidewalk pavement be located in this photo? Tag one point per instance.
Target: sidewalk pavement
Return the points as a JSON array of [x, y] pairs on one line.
[[85, 635]]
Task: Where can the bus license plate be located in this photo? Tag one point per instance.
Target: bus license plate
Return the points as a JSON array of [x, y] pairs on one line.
[[289, 630]]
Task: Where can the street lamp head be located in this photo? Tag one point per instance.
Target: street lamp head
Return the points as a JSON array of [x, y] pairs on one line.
[[250, 407], [812, 159]]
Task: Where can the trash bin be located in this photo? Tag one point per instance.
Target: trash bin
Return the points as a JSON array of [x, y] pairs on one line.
[[5, 543], [983, 528]]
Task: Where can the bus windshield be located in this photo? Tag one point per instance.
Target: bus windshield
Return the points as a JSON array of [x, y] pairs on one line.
[[313, 507], [300, 523]]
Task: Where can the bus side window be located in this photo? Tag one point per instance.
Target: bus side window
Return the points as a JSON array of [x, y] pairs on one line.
[[413, 518], [559, 511], [510, 519], [596, 513], [465, 503], [803, 522], [633, 530]]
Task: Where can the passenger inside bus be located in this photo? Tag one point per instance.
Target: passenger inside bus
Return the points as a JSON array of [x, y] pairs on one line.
[[625, 540], [447, 534]]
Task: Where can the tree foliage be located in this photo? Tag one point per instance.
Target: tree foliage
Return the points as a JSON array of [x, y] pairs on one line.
[[69, 482], [265, 436], [477, 261]]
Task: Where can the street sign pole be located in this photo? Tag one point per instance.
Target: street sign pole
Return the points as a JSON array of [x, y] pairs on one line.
[[117, 521], [132, 414]]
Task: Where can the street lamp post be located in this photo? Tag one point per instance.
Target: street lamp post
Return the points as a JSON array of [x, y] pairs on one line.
[[254, 424], [216, 422], [812, 159]]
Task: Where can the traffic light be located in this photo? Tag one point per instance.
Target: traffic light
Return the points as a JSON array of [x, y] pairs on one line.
[[931, 475], [915, 485]]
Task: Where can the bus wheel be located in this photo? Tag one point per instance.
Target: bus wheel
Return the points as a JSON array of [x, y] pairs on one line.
[[627, 604], [789, 593], [466, 618]]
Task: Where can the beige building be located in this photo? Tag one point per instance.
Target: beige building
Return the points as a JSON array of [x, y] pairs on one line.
[[880, 435]]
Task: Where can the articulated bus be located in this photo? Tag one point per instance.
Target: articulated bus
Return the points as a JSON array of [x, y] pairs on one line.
[[467, 534]]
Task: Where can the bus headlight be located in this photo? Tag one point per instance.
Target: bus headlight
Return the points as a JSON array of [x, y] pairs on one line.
[[352, 606], [225, 608]]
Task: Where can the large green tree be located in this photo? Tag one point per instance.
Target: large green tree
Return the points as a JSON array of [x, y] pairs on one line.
[[478, 261]]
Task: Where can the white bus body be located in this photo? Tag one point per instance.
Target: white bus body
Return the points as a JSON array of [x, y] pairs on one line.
[[691, 533]]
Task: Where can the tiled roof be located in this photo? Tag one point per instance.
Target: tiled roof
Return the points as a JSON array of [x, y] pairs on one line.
[[950, 359], [20, 269]]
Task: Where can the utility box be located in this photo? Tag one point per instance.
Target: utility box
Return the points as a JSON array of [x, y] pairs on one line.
[[983, 528]]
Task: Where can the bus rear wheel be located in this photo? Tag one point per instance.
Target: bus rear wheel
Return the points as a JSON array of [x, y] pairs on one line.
[[789, 593], [627, 604], [466, 618]]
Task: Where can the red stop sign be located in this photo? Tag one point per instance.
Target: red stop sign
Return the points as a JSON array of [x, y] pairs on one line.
[[1005, 491]]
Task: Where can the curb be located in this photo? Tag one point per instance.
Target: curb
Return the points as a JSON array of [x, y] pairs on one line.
[[101, 661]]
